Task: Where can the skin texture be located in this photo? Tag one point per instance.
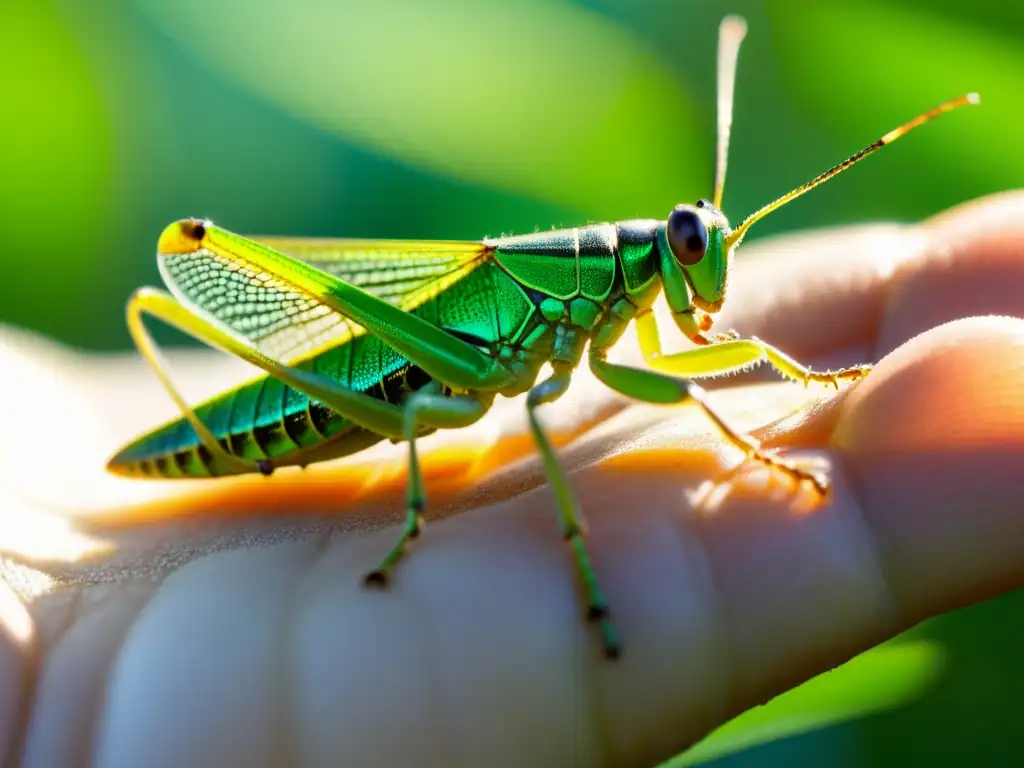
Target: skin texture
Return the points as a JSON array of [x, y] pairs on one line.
[[230, 625]]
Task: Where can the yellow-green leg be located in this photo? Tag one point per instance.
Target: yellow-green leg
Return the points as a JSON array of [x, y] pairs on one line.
[[432, 411], [566, 506], [731, 355]]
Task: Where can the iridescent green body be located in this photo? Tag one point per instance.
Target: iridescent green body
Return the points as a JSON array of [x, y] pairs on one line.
[[533, 299]]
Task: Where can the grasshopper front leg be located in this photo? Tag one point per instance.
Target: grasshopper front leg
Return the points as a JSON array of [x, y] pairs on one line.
[[734, 354]]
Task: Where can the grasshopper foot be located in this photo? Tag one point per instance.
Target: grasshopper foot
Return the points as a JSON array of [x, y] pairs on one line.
[[853, 374], [848, 375], [413, 527], [597, 612], [790, 469]]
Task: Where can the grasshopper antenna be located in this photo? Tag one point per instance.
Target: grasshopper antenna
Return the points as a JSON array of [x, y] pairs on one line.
[[947, 106], [730, 35]]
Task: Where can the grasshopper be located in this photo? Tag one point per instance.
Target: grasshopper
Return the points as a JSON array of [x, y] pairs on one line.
[[365, 340]]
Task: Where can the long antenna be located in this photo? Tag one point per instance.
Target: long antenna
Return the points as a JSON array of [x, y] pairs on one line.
[[947, 106], [730, 35]]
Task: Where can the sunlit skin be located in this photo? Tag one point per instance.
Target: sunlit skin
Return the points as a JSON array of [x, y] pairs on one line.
[[231, 629], [367, 340]]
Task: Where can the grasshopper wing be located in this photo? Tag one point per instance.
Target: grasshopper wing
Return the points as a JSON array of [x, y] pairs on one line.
[[289, 323]]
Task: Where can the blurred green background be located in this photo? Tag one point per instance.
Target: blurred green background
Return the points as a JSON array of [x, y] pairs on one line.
[[465, 118]]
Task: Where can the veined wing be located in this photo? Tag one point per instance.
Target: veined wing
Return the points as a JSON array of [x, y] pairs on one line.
[[288, 323], [396, 270]]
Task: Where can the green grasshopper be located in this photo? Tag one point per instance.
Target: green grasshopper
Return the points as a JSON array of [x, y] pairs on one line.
[[365, 340]]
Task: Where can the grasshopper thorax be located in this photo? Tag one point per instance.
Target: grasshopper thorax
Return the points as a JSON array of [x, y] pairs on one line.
[[695, 257]]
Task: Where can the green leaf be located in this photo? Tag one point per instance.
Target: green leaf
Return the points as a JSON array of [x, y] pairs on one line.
[[876, 681], [882, 64], [541, 98], [55, 150]]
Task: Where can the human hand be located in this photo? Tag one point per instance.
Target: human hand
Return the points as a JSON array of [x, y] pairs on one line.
[[232, 627]]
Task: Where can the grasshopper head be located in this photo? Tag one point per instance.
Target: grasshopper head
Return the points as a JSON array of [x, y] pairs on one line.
[[695, 257], [697, 243]]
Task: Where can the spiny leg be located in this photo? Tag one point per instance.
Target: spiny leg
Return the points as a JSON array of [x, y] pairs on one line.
[[566, 506], [368, 412], [433, 411], [793, 369], [731, 354], [654, 387]]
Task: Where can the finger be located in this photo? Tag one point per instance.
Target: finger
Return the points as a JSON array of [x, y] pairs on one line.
[[934, 449], [971, 265]]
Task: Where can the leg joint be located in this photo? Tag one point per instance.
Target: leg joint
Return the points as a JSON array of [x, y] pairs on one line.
[[572, 531], [550, 389]]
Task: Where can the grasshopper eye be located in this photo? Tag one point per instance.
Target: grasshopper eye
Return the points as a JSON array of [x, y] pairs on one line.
[[195, 229], [687, 236]]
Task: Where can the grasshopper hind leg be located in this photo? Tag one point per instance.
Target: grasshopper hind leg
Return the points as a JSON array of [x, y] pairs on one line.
[[431, 410], [164, 307]]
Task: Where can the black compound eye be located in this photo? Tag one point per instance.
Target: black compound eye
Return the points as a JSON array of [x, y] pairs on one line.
[[687, 236], [194, 229]]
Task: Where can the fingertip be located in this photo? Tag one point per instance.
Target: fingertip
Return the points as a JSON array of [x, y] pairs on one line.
[[956, 385], [992, 208], [932, 440]]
